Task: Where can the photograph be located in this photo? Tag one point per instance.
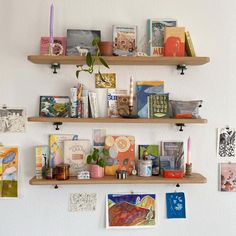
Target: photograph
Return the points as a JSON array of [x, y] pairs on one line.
[[227, 177], [99, 136]]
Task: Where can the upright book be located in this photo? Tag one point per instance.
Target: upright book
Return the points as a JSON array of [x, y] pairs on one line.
[[143, 90], [174, 42], [189, 48], [42, 160], [124, 40], [156, 30], [59, 46]]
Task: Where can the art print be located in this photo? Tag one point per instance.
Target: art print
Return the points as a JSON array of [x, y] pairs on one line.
[[82, 202], [12, 119], [105, 80], [130, 210], [228, 177], [175, 205], [226, 142], [99, 136]]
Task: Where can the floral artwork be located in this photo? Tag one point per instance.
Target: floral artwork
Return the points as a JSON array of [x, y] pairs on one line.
[[175, 204], [131, 210], [82, 202], [12, 119], [228, 177], [105, 80], [226, 142]]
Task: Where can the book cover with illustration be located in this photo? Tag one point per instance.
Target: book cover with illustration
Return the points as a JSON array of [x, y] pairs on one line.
[[42, 160], [143, 90], [156, 30], [56, 144], [158, 105], [112, 96], [174, 42], [124, 40], [9, 172], [175, 149], [121, 154], [167, 163], [59, 46], [75, 154]]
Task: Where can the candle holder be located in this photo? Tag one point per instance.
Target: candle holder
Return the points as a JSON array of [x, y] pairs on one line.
[[188, 170], [50, 49]]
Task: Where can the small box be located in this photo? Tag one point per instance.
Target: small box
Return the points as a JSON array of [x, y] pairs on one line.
[[84, 175], [173, 174]]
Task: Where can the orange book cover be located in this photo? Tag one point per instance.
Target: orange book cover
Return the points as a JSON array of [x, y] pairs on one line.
[[121, 154], [174, 42]]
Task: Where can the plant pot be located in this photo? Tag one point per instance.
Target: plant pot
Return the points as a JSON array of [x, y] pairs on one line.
[[105, 48], [96, 171]]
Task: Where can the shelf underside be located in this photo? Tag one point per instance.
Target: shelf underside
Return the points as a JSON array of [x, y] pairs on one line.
[[195, 178], [120, 60], [117, 120]]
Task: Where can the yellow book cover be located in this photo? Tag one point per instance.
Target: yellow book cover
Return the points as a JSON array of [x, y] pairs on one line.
[[189, 45]]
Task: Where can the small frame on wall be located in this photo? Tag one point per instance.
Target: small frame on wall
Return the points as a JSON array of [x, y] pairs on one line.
[[227, 177]]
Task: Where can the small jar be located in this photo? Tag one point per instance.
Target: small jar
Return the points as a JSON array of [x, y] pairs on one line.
[[63, 172], [145, 168]]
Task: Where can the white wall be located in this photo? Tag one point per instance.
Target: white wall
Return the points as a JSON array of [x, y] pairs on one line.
[[42, 210]]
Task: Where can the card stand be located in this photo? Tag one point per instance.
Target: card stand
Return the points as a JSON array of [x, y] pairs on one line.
[[57, 125], [180, 125], [55, 67], [182, 68]]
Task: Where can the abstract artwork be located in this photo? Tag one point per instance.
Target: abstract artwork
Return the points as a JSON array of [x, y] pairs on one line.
[[99, 136], [105, 80], [228, 177], [8, 172], [130, 210], [226, 142], [82, 202], [175, 205], [12, 120]]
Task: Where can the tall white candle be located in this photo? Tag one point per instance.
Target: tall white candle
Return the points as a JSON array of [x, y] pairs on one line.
[[189, 151], [51, 22], [131, 91]]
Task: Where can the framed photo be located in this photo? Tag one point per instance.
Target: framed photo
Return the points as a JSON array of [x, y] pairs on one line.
[[227, 177], [107, 80], [81, 39], [54, 106]]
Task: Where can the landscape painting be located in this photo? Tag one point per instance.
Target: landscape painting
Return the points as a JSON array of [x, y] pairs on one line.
[[131, 210]]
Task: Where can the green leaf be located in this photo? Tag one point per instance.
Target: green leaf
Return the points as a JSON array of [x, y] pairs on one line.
[[102, 162], [89, 159], [89, 59], [77, 74], [103, 62], [95, 41]]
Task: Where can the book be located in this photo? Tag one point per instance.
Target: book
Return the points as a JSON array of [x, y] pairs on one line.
[[121, 154], [56, 146], [124, 40], [9, 166], [75, 154], [174, 42], [123, 105], [93, 103], [80, 41], [143, 90], [158, 105], [167, 163], [42, 160], [156, 29], [189, 49], [175, 149], [59, 46], [112, 96]]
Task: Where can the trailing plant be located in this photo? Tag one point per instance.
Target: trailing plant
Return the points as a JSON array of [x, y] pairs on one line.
[[98, 157], [90, 61]]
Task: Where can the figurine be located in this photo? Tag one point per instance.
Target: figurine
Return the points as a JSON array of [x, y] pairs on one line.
[[82, 51]]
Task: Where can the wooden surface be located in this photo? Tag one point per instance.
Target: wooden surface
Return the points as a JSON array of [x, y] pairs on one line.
[[113, 60], [117, 120], [195, 178]]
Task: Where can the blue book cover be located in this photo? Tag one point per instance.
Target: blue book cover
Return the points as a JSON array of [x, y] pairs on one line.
[[144, 89]]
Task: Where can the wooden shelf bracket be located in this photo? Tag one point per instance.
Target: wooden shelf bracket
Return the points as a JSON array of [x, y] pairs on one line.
[[182, 68]]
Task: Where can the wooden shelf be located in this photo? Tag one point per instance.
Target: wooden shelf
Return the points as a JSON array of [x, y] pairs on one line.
[[119, 60], [195, 178], [117, 120]]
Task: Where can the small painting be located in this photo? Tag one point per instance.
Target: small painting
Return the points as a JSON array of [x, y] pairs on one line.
[[99, 136], [131, 210], [82, 202], [228, 177], [226, 142], [54, 106], [175, 205], [59, 45], [105, 80], [12, 119]]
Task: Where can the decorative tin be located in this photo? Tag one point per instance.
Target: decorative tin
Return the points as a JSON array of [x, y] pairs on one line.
[[63, 172], [145, 168]]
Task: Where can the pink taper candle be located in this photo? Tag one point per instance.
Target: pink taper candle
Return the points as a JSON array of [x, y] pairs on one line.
[[189, 151], [131, 91], [51, 22]]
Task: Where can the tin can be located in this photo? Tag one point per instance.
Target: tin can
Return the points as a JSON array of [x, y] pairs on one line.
[[145, 168], [62, 172]]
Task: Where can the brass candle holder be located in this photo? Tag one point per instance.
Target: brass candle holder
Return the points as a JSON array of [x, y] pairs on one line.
[[188, 169]]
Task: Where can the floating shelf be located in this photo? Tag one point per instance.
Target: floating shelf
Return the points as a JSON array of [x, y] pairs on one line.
[[195, 178], [119, 60]]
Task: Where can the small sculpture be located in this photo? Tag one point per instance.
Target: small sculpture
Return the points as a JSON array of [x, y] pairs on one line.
[[82, 51]]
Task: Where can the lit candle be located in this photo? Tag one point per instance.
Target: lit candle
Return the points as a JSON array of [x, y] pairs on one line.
[[131, 91], [51, 22], [189, 151]]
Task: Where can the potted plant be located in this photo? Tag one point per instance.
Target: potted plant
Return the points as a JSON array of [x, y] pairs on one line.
[[90, 61], [97, 160], [105, 48]]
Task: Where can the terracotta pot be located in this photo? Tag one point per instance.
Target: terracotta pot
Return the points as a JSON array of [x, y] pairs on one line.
[[105, 48], [96, 171]]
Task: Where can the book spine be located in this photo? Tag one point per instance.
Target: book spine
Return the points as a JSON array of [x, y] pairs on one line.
[[39, 163], [84, 101], [73, 102], [189, 45], [149, 38], [93, 104]]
